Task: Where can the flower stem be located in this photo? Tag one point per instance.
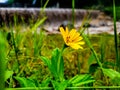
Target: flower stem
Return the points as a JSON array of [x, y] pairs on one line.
[[60, 64], [63, 47], [92, 49]]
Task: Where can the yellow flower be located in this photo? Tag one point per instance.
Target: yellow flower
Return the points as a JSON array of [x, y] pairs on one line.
[[72, 38]]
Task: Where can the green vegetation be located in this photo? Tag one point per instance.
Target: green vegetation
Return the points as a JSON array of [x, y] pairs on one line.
[[2, 61], [31, 58], [25, 65]]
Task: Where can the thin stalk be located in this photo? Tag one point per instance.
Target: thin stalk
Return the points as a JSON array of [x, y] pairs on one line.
[[102, 49], [64, 46], [15, 20], [115, 37], [14, 44], [15, 49], [78, 65], [119, 46], [23, 68], [73, 12], [11, 82]]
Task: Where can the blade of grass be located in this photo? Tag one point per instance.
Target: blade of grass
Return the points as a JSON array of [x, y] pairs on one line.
[[45, 5], [102, 42], [41, 3], [2, 62], [38, 42], [38, 23], [43, 8], [115, 37], [16, 61], [15, 20], [73, 12], [14, 44]]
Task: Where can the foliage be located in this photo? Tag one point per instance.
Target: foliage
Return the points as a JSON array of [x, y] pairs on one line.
[[2, 60], [36, 60], [30, 68]]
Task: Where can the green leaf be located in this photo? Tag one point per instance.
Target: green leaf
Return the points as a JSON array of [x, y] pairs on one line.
[[50, 65], [61, 68], [25, 82], [113, 75], [81, 80], [45, 83], [8, 74], [60, 85], [91, 59], [74, 78], [116, 81], [57, 63], [46, 61]]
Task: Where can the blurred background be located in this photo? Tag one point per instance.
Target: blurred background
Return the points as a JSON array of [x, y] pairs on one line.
[[102, 5], [57, 3]]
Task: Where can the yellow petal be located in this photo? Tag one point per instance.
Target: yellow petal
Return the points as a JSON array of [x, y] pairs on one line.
[[72, 33], [80, 43], [62, 31], [67, 31], [77, 39], [76, 46], [80, 38], [77, 35]]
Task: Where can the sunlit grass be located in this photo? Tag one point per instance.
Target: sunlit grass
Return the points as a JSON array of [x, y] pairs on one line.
[[30, 45], [30, 63]]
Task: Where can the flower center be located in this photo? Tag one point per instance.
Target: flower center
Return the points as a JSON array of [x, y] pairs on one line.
[[68, 39]]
